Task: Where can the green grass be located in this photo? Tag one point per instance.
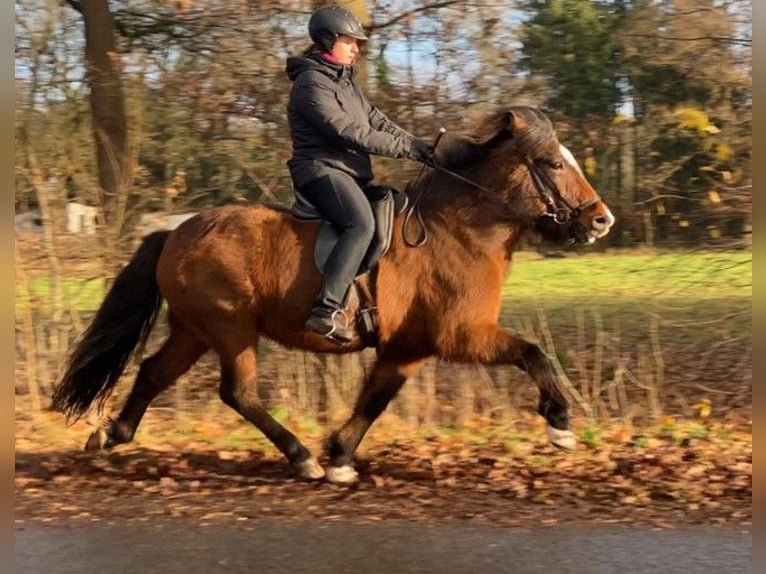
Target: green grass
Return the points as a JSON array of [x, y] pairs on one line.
[[666, 276], [83, 295], [694, 298], [601, 280]]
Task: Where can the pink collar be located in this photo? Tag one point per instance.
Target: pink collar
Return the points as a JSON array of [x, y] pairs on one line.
[[330, 58]]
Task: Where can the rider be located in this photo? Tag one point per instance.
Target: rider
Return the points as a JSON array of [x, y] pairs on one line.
[[334, 130]]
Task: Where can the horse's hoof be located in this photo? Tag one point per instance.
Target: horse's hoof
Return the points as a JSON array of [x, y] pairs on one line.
[[310, 468], [564, 439], [99, 440], [342, 474]]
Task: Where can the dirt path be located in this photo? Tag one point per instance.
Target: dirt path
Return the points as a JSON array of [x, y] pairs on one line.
[[438, 480]]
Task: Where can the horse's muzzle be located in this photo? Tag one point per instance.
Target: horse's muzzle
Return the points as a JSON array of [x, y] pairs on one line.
[[599, 226]]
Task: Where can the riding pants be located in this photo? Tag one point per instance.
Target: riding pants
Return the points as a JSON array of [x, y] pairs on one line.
[[344, 202]]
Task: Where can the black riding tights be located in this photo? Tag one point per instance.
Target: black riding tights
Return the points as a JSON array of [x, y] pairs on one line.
[[346, 204]]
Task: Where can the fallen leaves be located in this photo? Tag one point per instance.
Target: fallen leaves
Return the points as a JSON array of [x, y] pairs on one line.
[[438, 481], [685, 473]]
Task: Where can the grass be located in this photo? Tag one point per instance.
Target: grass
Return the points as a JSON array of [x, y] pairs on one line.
[[687, 292], [81, 294], [602, 279], [687, 276], [225, 430], [662, 318]]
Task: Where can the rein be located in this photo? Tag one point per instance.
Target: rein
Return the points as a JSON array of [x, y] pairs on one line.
[[414, 207], [547, 190]]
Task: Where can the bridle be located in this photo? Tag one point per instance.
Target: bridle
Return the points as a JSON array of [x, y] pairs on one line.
[[549, 193], [557, 206]]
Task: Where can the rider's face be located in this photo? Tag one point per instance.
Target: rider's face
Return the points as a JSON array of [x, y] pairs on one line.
[[345, 49]]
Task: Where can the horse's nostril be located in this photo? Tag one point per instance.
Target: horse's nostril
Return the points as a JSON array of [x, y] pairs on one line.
[[603, 221]]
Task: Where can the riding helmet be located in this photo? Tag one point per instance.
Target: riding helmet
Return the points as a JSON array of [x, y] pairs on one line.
[[329, 22]]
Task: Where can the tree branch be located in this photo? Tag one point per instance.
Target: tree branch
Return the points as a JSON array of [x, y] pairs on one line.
[[403, 15], [726, 39]]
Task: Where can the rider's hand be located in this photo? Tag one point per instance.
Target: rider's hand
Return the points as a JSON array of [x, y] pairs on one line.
[[421, 151]]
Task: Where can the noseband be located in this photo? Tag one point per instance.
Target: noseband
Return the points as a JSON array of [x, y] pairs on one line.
[[549, 193]]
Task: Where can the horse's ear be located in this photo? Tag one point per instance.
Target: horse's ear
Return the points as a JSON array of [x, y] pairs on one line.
[[504, 127], [509, 119], [516, 122]]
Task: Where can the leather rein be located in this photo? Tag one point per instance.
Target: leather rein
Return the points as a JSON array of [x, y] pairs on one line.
[[556, 205]]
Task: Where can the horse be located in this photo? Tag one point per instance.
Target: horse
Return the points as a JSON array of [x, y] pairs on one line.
[[235, 273]]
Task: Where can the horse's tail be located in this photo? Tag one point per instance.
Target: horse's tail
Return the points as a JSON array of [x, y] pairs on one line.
[[124, 320]]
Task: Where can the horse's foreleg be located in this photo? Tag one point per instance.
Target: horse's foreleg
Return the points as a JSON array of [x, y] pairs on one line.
[[495, 346], [382, 385], [158, 372], [238, 390]]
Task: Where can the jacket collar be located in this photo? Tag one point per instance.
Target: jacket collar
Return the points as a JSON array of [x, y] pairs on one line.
[[335, 71]]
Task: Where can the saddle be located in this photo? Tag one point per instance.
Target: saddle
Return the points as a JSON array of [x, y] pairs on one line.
[[361, 296]]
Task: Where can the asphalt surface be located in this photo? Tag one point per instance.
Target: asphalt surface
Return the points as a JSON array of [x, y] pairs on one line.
[[183, 546]]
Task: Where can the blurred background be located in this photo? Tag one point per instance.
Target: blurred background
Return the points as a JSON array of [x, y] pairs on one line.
[[134, 115]]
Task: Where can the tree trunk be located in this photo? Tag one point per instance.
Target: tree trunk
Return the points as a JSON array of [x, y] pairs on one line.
[[107, 104]]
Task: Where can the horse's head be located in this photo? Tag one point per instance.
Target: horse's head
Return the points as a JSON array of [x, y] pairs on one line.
[[537, 179], [553, 188]]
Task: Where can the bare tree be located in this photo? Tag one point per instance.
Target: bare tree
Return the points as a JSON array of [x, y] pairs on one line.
[[103, 64]]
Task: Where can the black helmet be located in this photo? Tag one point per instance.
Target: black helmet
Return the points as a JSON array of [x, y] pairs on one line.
[[329, 22]]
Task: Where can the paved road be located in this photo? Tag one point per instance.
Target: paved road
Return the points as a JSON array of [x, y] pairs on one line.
[[340, 548]]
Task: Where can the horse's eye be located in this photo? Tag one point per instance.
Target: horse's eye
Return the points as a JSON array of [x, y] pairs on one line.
[[556, 164]]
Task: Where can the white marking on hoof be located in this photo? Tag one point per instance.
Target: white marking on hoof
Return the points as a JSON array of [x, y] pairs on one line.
[[310, 468], [561, 438], [342, 474]]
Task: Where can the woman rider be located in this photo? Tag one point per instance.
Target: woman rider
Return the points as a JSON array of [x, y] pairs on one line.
[[334, 130]]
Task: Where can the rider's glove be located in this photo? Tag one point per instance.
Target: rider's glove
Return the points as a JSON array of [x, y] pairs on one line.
[[421, 151]]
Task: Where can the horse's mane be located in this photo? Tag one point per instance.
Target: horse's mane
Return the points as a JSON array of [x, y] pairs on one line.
[[530, 129]]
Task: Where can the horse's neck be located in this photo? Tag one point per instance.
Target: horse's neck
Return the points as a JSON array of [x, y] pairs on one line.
[[472, 208], [468, 222], [454, 184], [444, 198]]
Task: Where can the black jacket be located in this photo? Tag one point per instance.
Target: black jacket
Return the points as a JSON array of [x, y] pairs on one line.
[[332, 125]]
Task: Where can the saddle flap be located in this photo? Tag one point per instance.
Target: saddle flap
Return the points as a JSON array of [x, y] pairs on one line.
[[384, 211], [303, 209]]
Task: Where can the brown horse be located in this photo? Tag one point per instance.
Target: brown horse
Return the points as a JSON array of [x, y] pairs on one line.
[[235, 273]]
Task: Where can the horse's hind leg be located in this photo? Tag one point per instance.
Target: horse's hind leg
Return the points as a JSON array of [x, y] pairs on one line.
[[381, 386], [239, 391], [179, 352]]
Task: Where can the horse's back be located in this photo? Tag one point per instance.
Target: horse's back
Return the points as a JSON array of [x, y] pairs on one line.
[[231, 259], [217, 224]]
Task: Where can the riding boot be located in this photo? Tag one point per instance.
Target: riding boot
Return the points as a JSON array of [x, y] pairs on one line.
[[334, 324], [342, 201]]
